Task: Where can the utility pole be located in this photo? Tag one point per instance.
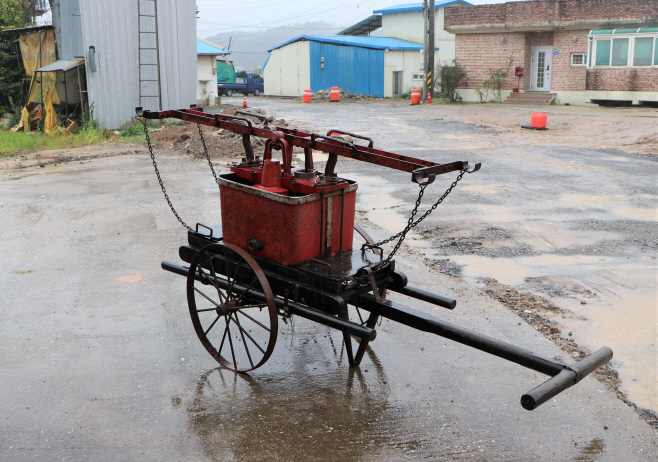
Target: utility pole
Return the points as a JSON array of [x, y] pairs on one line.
[[426, 55], [429, 60]]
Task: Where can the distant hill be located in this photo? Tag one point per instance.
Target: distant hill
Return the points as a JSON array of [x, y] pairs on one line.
[[249, 49]]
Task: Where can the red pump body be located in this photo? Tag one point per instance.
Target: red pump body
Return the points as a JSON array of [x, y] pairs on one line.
[[289, 215]]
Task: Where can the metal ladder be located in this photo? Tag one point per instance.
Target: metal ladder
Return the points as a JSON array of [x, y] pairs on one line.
[[150, 94]]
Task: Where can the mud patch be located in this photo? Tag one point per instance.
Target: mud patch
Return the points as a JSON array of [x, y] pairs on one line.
[[447, 266], [450, 127], [541, 314], [185, 139], [592, 452], [489, 242]]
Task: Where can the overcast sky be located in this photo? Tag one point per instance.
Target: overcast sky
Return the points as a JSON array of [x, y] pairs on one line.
[[217, 16]]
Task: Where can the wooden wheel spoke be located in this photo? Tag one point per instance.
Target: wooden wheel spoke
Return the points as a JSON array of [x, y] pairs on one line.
[[228, 276], [247, 289], [235, 275], [222, 298], [230, 342], [219, 352], [254, 320], [212, 325], [206, 309], [206, 297], [257, 330], [242, 332], [249, 336]]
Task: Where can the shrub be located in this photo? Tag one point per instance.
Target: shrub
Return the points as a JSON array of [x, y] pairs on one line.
[[495, 83], [450, 75]]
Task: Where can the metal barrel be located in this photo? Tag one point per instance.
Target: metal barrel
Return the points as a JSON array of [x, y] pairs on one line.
[[294, 308], [569, 376], [425, 296]]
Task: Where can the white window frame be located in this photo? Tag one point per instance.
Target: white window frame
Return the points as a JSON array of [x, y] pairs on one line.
[[417, 76], [584, 63], [593, 39]]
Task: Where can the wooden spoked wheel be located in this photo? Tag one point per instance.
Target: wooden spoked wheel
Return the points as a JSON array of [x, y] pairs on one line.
[[232, 307]]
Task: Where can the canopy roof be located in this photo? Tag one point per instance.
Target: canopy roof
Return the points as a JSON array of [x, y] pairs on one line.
[[364, 27], [61, 65], [377, 43], [625, 30], [204, 47]]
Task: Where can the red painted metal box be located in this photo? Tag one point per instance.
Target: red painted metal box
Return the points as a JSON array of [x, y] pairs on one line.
[[292, 229]]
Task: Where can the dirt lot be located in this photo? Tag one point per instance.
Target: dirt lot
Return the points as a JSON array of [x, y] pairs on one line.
[[558, 231]]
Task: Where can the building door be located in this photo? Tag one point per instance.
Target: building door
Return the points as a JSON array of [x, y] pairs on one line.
[[397, 83], [542, 64]]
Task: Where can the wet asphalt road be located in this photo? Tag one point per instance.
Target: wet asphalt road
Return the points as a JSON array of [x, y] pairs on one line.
[[99, 361]]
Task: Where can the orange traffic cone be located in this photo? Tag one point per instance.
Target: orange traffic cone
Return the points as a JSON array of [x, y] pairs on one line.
[[244, 101]]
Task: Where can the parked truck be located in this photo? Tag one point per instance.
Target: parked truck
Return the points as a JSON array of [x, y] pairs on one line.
[[251, 83]]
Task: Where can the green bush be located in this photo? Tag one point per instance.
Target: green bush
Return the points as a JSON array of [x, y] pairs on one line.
[[494, 83], [450, 76]]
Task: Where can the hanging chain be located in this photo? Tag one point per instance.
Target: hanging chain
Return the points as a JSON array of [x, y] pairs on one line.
[[157, 172], [411, 223], [205, 150]]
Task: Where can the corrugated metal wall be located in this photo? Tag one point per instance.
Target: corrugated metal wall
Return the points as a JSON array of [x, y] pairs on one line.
[[112, 29], [68, 29], [287, 72], [353, 69]]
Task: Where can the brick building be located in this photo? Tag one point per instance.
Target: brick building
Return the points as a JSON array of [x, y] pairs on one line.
[[582, 51]]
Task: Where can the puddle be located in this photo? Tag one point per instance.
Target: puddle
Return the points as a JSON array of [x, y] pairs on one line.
[[375, 198], [619, 205], [620, 309]]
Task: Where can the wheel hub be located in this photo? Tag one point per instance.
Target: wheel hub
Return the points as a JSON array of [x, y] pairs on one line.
[[226, 308]]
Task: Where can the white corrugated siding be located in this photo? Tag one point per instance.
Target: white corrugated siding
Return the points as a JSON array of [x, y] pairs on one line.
[[112, 28]]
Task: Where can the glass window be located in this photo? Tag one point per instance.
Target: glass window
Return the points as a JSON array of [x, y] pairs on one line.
[[602, 52], [620, 52], [578, 59], [655, 54], [643, 49]]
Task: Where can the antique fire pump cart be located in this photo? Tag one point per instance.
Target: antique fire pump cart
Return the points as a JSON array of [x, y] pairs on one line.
[[285, 248]]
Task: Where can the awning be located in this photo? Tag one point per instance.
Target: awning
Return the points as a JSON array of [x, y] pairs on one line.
[[61, 65], [625, 30]]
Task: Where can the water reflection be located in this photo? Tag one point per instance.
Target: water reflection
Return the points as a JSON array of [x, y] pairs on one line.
[[313, 408]]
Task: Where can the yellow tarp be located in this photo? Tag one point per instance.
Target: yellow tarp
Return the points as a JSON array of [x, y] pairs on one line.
[[24, 123], [38, 50], [51, 123]]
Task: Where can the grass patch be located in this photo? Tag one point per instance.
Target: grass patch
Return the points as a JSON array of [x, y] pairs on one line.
[[12, 144], [23, 272]]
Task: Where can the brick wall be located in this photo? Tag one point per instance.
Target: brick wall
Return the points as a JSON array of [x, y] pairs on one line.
[[630, 79], [549, 10], [481, 54], [566, 77]]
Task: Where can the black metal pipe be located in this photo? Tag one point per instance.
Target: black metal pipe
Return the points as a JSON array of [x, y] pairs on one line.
[[428, 323], [569, 376], [294, 308], [425, 296]]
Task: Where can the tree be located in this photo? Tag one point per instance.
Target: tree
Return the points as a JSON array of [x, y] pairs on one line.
[[14, 14]]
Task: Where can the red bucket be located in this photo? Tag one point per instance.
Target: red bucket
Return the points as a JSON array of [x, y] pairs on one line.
[[538, 120]]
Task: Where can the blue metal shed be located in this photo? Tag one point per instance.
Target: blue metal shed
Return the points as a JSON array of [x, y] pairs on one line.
[[353, 63]]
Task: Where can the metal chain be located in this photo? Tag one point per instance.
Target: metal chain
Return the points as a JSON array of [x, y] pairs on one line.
[[411, 223], [205, 150], [157, 172]]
